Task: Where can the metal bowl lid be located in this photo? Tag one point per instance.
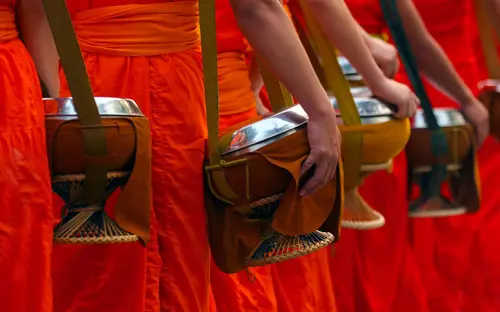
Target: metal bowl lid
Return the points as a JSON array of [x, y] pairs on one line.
[[348, 70], [107, 106], [267, 130], [367, 107], [361, 92], [346, 66], [446, 117]]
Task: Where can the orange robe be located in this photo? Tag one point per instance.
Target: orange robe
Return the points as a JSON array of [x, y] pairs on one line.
[[25, 189], [237, 292], [482, 280], [147, 50], [376, 270]]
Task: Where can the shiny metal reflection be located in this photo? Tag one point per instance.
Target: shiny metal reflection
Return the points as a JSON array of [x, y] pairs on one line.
[[348, 70], [107, 106], [266, 131], [367, 107], [446, 117], [274, 127]]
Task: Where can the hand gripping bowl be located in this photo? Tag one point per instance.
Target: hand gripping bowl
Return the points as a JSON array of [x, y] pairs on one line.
[[371, 137], [269, 222], [383, 137], [127, 134], [458, 165], [490, 97]]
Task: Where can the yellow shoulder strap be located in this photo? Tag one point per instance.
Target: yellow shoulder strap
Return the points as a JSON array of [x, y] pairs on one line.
[[352, 145], [209, 53], [94, 138], [334, 78]]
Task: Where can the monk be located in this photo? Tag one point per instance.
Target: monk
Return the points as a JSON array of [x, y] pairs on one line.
[[301, 284], [371, 274], [148, 50], [252, 290], [25, 189]]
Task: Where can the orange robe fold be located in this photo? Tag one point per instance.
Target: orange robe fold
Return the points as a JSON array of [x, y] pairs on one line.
[[253, 291], [148, 51], [25, 189]]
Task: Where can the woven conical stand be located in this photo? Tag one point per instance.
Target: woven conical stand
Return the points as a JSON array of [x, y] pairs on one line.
[[275, 247], [83, 224], [358, 214]]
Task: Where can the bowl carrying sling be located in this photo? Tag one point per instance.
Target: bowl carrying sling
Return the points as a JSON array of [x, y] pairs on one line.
[[252, 176], [441, 145], [95, 146], [371, 137], [489, 89]]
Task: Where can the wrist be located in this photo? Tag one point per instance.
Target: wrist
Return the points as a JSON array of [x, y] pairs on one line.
[[321, 111], [466, 98]]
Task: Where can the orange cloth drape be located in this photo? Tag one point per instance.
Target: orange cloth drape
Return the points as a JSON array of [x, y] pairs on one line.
[[165, 79], [235, 90], [25, 190], [237, 292]]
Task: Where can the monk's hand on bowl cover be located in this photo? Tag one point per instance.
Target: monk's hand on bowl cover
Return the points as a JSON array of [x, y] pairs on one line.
[[324, 141], [477, 115], [398, 94]]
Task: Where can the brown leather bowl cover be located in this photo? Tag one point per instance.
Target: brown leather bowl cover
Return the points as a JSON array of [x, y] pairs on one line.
[[65, 144], [419, 149]]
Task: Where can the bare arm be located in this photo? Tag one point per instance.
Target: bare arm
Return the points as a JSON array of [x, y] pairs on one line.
[[255, 76], [268, 17], [436, 66], [256, 84], [270, 32], [39, 42], [431, 59], [340, 27]]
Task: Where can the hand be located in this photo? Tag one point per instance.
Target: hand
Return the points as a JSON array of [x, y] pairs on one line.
[[385, 55], [325, 143], [476, 114], [398, 94], [261, 109]]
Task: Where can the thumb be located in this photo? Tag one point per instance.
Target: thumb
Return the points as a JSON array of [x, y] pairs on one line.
[[308, 163]]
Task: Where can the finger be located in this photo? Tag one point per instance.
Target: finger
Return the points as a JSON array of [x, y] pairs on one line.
[[308, 163], [316, 182]]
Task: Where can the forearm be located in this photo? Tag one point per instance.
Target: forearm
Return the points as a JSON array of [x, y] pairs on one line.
[[39, 42], [437, 68], [282, 52], [255, 77], [431, 59], [349, 38]]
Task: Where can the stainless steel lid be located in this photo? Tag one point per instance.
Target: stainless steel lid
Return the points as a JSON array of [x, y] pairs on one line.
[[367, 107], [361, 92], [287, 122], [266, 131], [107, 106], [349, 71], [446, 117]]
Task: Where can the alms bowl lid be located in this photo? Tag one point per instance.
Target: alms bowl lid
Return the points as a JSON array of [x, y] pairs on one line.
[[107, 106]]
